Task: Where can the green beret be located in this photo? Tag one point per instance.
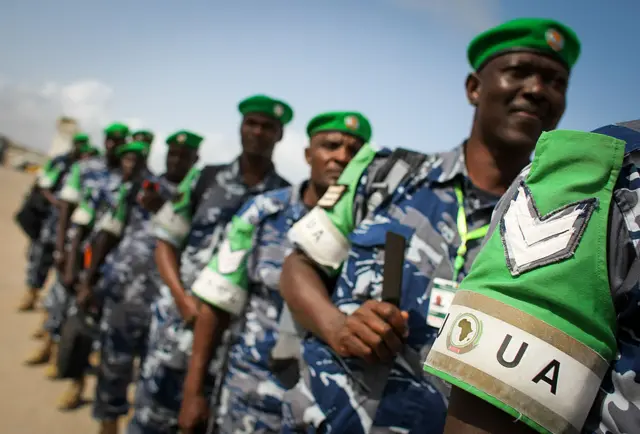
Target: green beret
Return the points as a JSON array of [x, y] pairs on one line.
[[185, 138], [140, 148], [279, 110], [81, 138], [116, 130], [89, 149], [143, 136], [527, 34], [353, 123]]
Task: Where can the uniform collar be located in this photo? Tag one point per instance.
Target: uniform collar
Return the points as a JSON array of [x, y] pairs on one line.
[[449, 166], [270, 180]]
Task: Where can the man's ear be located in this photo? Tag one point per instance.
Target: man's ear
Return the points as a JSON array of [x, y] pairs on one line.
[[280, 134], [307, 155], [473, 86]]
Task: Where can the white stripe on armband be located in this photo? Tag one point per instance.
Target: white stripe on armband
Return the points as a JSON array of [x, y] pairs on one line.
[[219, 292], [518, 360], [44, 181], [81, 217], [70, 194], [316, 235], [110, 224], [170, 223]]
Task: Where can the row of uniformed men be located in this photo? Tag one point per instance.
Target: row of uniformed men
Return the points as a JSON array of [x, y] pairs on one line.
[[222, 329]]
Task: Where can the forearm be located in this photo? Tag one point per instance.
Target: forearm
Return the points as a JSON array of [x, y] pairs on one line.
[[209, 326], [100, 248], [71, 267], [64, 215], [306, 294], [469, 414], [166, 257]]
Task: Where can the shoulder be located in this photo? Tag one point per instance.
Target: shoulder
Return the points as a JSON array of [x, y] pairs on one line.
[[264, 205]]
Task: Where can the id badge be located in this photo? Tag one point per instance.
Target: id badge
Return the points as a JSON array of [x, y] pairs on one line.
[[442, 293]]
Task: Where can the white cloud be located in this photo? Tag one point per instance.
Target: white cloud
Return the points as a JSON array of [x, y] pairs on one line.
[[474, 15], [28, 115]]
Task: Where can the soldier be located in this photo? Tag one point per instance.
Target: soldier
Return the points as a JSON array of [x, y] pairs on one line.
[[144, 136], [542, 334], [188, 232], [131, 285], [40, 257], [362, 368], [242, 281], [86, 177]]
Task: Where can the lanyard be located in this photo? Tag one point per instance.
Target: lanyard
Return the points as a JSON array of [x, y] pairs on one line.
[[465, 236]]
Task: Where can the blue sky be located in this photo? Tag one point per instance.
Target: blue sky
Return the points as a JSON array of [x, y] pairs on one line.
[[169, 65]]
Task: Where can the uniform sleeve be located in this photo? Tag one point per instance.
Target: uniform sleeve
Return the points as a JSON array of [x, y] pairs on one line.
[[173, 221], [85, 212], [47, 175], [224, 281], [72, 189], [322, 233], [537, 342], [113, 220]]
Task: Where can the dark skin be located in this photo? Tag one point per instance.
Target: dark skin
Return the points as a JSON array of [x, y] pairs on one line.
[[259, 135], [131, 165], [179, 161], [67, 263], [327, 155], [517, 96]]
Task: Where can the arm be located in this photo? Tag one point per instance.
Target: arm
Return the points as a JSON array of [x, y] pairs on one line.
[[312, 307], [69, 198], [223, 288], [469, 414], [166, 256], [171, 226]]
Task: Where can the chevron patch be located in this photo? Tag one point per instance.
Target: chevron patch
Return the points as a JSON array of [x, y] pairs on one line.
[[332, 196]]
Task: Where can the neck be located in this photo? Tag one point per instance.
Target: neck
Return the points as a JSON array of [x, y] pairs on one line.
[[254, 168], [311, 194], [491, 168]]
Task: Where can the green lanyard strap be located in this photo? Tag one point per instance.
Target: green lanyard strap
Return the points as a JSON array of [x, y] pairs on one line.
[[465, 236]]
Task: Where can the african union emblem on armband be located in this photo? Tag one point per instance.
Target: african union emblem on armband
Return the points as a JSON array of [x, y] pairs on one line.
[[465, 333]]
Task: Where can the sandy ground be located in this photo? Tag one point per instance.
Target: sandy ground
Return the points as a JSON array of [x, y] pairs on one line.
[[27, 398]]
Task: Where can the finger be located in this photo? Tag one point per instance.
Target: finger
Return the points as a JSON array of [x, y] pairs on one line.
[[359, 326], [390, 339], [391, 315], [356, 348]]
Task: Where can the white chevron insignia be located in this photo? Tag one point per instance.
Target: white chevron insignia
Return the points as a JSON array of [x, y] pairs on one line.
[[332, 196], [532, 241], [229, 260]]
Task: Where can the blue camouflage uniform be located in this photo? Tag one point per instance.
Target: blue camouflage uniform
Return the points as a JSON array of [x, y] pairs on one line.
[[616, 407], [130, 284], [87, 181], [196, 233], [335, 394], [40, 255], [246, 270]]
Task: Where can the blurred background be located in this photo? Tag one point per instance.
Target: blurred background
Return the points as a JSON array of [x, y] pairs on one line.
[[167, 65]]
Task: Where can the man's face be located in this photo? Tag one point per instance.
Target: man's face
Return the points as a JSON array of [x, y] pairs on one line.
[[328, 154], [259, 134], [179, 161], [110, 145], [130, 163], [75, 147], [518, 96]]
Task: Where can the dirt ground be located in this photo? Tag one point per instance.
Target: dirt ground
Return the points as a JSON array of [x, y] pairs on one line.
[[27, 398]]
